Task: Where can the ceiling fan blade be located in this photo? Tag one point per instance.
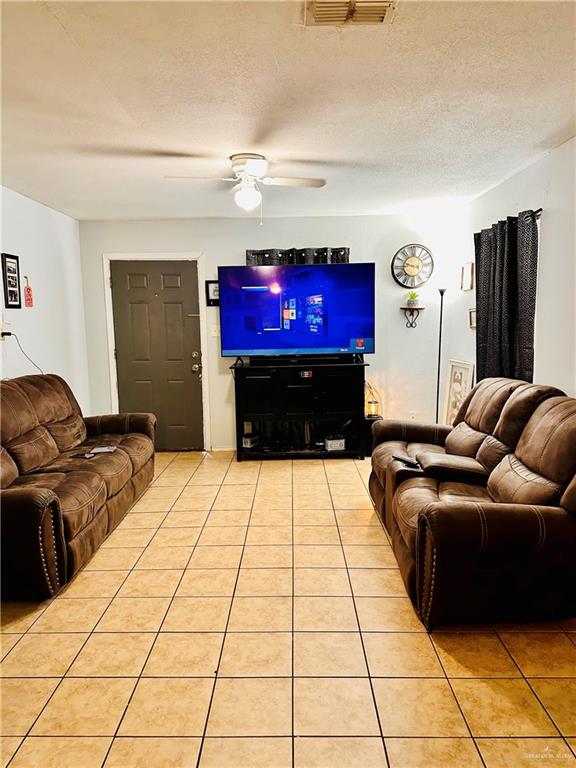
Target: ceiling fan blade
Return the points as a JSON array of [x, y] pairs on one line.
[[126, 151], [200, 178], [292, 181]]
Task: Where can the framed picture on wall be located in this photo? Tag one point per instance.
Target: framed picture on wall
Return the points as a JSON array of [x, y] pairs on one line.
[[467, 276], [212, 293], [11, 281], [459, 382]]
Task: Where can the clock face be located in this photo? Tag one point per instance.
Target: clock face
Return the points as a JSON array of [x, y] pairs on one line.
[[412, 266]]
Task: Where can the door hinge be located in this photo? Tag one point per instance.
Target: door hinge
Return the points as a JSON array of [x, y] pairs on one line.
[[115, 354], [110, 278]]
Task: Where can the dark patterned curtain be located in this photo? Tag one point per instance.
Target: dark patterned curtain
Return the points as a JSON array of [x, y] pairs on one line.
[[506, 273], [272, 256]]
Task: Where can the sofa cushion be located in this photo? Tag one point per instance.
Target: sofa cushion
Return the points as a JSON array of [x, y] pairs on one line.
[[17, 415], [56, 408], [68, 432], [518, 410], [8, 469], [514, 482], [516, 413], [491, 452], [416, 495], [383, 454], [544, 463], [459, 492], [464, 440], [548, 444], [138, 447], [29, 444], [486, 404], [114, 468], [81, 495], [33, 449], [479, 415]]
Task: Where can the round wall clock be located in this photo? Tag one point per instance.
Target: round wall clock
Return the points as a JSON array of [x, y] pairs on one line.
[[412, 265]]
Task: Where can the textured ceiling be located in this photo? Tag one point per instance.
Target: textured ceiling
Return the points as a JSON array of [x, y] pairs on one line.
[[447, 101]]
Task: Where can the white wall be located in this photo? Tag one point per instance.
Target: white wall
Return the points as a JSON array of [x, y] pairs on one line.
[[547, 184], [52, 331], [404, 367]]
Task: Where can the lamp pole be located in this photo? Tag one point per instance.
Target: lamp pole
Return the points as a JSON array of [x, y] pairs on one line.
[[441, 291]]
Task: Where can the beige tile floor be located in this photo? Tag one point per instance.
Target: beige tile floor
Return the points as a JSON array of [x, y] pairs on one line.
[[252, 615]]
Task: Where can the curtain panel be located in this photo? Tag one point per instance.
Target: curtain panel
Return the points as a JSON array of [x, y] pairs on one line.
[[506, 277], [272, 256]]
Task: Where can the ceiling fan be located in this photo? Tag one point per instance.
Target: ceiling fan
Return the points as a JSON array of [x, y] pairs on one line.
[[249, 171]]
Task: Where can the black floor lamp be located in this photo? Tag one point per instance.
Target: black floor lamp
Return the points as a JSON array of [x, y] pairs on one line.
[[441, 291]]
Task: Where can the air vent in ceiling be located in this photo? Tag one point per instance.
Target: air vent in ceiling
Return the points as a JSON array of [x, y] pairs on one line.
[[337, 13]]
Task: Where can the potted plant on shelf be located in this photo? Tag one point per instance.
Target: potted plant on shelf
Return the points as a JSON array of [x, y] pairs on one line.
[[412, 300]]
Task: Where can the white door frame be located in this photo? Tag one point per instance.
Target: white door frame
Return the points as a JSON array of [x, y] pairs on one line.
[[198, 257]]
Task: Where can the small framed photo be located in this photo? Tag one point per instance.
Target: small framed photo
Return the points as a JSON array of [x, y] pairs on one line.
[[212, 293], [11, 281], [467, 276], [472, 318], [459, 382]]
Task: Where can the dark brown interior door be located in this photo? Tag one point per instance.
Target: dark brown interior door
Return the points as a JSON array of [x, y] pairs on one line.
[[158, 355]]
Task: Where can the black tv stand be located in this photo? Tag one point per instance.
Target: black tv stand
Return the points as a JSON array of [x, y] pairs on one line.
[[303, 359], [287, 407]]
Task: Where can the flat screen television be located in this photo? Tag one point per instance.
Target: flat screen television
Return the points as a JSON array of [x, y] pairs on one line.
[[319, 309]]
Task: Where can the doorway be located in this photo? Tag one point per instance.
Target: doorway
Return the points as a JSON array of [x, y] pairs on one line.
[[157, 355]]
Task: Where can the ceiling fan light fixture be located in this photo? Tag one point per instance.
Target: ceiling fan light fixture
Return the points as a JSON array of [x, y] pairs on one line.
[[256, 166], [247, 196]]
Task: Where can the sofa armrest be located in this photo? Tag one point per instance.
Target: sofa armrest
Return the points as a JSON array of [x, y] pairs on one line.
[[458, 469], [410, 432], [397, 473], [484, 561], [33, 545], [121, 423]]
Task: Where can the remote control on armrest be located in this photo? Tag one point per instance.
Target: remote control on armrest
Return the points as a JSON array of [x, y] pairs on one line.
[[408, 462]]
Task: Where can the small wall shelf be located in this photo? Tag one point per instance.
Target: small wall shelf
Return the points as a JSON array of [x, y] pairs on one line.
[[412, 314]]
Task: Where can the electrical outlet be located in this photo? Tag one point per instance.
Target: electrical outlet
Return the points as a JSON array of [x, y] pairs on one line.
[[4, 328]]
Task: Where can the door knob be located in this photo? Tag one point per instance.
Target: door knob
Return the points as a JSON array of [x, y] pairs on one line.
[[196, 368]]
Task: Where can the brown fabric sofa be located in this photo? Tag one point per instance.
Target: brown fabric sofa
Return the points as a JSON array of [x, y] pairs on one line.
[[491, 534], [478, 431], [57, 506]]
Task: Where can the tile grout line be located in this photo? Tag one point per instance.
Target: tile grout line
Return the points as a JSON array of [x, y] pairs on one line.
[[464, 718], [307, 736], [63, 677], [207, 719], [428, 634], [288, 676], [293, 740], [157, 633], [534, 692], [374, 702]]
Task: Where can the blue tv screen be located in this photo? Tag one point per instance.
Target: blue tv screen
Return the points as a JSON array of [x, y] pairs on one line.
[[320, 309]]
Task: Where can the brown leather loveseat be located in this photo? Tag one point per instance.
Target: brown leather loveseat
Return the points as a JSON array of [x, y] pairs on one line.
[[57, 505], [489, 531]]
